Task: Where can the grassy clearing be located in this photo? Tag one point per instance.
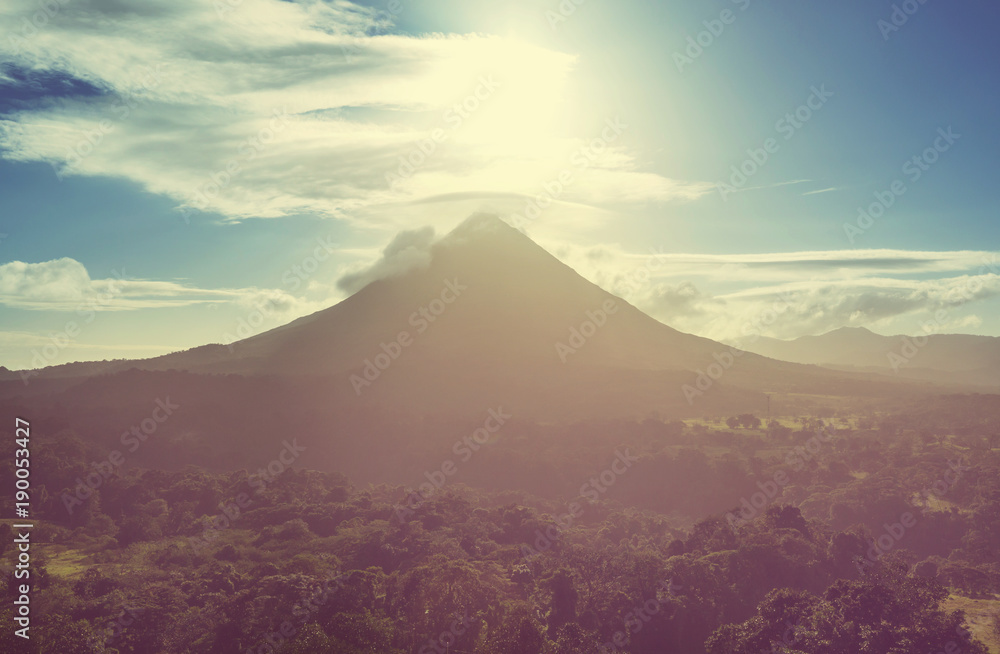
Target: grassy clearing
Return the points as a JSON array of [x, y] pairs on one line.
[[979, 617], [62, 561]]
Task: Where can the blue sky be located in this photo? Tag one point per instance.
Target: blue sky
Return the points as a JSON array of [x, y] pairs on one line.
[[116, 119]]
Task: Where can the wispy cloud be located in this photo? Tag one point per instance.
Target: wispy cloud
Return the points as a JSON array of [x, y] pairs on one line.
[[718, 295], [409, 250], [273, 108], [65, 285], [775, 266], [822, 190], [767, 186]]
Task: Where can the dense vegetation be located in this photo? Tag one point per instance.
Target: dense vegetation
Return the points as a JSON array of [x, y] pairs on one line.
[[851, 535]]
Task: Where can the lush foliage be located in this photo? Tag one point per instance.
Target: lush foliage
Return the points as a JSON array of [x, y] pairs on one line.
[[829, 563]]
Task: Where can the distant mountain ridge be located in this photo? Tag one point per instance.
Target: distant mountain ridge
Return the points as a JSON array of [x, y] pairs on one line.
[[954, 358]]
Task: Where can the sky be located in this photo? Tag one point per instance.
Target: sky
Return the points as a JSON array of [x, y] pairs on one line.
[[170, 169]]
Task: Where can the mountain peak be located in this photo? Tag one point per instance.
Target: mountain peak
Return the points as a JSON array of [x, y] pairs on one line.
[[481, 223], [851, 330], [485, 236]]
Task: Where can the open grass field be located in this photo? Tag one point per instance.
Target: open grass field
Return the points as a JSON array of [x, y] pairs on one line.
[[979, 616]]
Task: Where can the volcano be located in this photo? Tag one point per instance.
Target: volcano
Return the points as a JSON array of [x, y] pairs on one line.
[[492, 318]]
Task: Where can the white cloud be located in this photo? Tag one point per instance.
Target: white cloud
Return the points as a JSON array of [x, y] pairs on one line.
[[283, 306], [822, 190], [408, 250], [814, 307], [777, 266], [670, 302], [58, 281], [65, 285], [719, 295], [191, 97]]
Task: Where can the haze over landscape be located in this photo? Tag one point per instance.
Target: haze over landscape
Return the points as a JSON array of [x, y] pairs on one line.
[[569, 327]]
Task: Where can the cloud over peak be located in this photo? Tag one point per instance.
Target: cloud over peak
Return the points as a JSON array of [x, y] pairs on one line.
[[408, 250]]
